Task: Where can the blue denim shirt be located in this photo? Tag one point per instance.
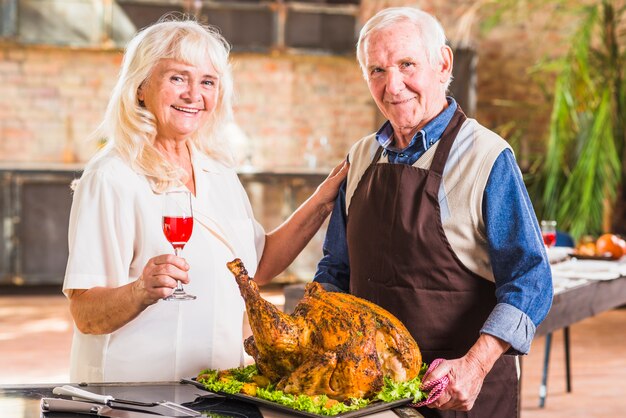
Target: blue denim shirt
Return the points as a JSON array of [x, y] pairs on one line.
[[520, 266]]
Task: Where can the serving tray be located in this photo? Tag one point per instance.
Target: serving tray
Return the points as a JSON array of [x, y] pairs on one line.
[[592, 257], [378, 406]]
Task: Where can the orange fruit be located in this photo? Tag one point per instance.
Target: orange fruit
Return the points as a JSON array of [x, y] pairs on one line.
[[587, 248], [609, 245]]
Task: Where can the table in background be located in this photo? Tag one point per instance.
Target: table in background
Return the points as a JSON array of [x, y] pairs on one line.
[[575, 300]]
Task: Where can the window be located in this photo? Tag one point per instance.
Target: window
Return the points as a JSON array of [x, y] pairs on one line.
[[247, 26], [7, 17], [74, 22], [318, 26], [311, 30]]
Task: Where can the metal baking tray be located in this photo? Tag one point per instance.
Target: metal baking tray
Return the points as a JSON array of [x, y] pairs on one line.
[[370, 409]]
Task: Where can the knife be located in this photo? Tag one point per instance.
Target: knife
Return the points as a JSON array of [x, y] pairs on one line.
[[81, 407], [173, 409]]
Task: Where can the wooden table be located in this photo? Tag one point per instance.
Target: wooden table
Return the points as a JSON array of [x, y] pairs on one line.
[[586, 300]]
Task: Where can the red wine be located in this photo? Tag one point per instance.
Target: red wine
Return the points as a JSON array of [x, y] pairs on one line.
[[549, 238], [177, 230]]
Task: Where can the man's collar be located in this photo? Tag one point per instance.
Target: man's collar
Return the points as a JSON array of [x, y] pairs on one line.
[[429, 134]]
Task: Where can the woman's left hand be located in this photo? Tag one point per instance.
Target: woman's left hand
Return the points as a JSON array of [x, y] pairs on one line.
[[327, 191], [284, 243]]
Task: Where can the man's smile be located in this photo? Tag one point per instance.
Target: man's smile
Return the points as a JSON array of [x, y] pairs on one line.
[[399, 101]]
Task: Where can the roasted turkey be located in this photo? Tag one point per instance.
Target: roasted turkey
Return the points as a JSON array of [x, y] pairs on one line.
[[334, 344]]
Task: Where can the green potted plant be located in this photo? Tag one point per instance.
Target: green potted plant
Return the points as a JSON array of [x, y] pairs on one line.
[[581, 179]]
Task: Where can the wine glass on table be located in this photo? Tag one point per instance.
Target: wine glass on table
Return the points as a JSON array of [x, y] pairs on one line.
[[548, 232], [177, 227]]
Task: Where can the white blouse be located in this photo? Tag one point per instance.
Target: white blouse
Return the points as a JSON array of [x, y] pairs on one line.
[[115, 228]]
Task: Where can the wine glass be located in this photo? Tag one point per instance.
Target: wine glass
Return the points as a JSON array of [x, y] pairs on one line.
[[177, 227], [548, 232]]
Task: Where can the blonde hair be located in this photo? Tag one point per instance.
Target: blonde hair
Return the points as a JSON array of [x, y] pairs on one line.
[[130, 129], [429, 29]]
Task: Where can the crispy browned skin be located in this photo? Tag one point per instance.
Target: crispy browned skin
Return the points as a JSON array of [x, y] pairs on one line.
[[334, 343]]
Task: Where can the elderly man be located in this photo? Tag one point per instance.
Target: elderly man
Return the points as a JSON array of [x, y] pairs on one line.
[[434, 223]]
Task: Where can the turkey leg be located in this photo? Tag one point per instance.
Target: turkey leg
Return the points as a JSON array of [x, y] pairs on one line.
[[273, 331]]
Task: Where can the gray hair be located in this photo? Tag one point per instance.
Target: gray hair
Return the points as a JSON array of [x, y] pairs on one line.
[[130, 129], [428, 27]]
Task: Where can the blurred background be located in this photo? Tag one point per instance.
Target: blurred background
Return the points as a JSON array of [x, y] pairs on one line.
[[298, 90], [545, 74]]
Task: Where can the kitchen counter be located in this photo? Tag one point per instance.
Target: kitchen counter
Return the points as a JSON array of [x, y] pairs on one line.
[[244, 170], [23, 401], [35, 201], [41, 166]]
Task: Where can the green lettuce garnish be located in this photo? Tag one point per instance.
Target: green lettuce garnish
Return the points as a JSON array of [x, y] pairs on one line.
[[393, 391], [244, 374], [232, 381]]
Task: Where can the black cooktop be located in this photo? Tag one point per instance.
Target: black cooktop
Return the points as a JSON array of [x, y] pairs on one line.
[[209, 404], [223, 407]]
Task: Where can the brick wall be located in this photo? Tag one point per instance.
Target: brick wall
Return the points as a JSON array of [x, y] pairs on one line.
[[286, 102], [52, 98], [49, 98]]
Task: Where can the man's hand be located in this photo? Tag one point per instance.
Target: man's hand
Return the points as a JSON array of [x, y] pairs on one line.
[[466, 380], [466, 374]]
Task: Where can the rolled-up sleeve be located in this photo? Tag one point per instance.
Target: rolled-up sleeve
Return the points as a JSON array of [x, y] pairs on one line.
[[518, 257]]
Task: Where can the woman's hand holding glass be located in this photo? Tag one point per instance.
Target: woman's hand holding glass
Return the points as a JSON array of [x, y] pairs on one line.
[[161, 276], [177, 227]]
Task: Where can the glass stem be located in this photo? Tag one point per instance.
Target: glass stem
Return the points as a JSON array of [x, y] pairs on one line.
[[179, 285]]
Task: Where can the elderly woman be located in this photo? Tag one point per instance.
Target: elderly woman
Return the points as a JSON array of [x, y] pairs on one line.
[[163, 126]]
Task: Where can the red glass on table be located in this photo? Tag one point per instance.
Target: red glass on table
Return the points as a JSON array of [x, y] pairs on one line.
[[548, 232], [177, 227]]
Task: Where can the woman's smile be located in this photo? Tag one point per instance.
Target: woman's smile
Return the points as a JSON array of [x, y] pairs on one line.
[[188, 110]]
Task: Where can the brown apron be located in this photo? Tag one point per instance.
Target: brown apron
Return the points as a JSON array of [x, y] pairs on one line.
[[401, 260]]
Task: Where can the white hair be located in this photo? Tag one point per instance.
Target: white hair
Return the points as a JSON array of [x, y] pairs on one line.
[[130, 129], [428, 27]]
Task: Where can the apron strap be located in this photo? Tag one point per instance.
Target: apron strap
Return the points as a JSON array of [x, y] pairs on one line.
[[446, 141], [377, 155]]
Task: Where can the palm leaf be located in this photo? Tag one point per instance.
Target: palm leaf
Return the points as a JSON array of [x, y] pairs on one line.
[[582, 166], [594, 177]]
